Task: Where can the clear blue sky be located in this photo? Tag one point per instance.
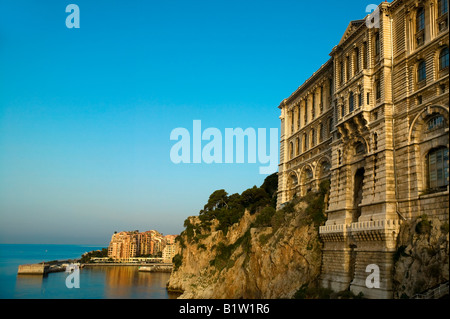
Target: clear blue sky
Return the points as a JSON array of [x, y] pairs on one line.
[[86, 114]]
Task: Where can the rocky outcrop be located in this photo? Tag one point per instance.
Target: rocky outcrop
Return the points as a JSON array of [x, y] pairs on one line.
[[247, 261], [422, 257]]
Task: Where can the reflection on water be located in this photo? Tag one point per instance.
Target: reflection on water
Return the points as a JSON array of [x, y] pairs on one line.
[[108, 282]]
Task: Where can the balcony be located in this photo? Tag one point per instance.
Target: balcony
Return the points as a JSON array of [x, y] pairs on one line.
[[362, 231]]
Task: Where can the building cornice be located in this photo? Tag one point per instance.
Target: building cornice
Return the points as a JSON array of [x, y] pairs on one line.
[[323, 69]]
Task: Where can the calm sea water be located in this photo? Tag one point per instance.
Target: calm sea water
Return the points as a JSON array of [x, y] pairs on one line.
[[95, 283]]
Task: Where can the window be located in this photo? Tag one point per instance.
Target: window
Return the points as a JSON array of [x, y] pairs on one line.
[[292, 122], [313, 108], [420, 19], [299, 116], [438, 168], [360, 97], [375, 141], [305, 141], [435, 123], [306, 111], [351, 105], [321, 133], [313, 137], [442, 7], [377, 44], [297, 151], [330, 87], [308, 175], [443, 59], [321, 99], [378, 89], [356, 60], [291, 150], [359, 148], [365, 55], [343, 109], [421, 71], [330, 125], [341, 73], [348, 67]]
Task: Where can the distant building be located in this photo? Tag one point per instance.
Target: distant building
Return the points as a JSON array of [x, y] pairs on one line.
[[170, 239], [125, 246], [168, 253]]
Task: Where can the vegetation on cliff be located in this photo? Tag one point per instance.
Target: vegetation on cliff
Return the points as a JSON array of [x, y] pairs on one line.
[[240, 246]]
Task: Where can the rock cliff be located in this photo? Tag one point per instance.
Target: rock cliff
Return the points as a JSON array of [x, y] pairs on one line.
[[422, 257], [248, 261]]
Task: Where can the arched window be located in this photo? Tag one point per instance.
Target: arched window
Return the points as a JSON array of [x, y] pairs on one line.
[[359, 148], [437, 168], [421, 71], [435, 123], [443, 59], [420, 19], [351, 103], [325, 169], [307, 175], [294, 179]]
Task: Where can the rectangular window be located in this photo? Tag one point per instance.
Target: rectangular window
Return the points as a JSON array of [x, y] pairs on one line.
[[356, 60], [438, 168], [351, 103], [365, 55], [377, 44], [442, 7], [378, 89], [313, 107], [420, 19]]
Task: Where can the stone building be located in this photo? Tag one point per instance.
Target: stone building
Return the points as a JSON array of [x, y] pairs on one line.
[[385, 146]]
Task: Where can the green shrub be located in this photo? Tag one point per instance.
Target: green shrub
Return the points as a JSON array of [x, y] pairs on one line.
[[424, 226], [264, 219], [177, 261], [306, 292]]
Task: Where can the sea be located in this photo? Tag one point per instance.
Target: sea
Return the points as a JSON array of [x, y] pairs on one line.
[[110, 282]]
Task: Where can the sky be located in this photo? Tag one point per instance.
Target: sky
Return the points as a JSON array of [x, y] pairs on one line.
[[86, 113]]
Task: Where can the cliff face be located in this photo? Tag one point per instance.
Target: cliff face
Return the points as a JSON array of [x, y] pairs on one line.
[[248, 261], [422, 258]]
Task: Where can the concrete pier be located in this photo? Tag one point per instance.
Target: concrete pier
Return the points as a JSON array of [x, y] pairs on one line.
[[33, 269]]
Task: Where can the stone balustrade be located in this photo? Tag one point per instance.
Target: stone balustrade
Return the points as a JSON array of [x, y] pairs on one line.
[[365, 230]]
